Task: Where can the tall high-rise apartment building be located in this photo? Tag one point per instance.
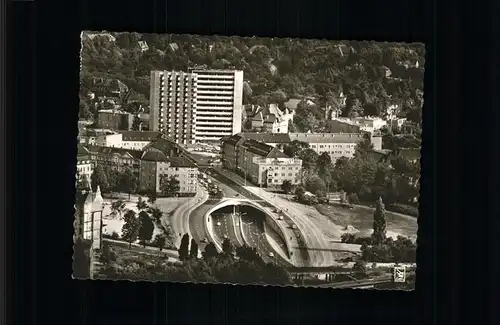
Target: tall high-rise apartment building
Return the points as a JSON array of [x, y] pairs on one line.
[[219, 103], [201, 105], [173, 105]]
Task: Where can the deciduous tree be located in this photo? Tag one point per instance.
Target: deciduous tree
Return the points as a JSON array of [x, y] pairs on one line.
[[184, 248], [141, 204], [128, 182], [286, 186], [117, 207], [170, 185], [130, 229], [99, 178], [210, 251], [146, 228], [379, 223], [193, 251]]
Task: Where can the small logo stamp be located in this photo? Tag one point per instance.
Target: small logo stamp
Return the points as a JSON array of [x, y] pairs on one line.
[[400, 274]]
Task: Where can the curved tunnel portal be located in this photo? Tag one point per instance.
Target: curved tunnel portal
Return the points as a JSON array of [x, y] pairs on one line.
[[244, 224]]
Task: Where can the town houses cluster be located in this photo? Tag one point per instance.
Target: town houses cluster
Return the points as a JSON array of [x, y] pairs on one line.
[[205, 106]]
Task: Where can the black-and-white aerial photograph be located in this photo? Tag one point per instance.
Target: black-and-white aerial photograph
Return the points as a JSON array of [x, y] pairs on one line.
[[267, 161]]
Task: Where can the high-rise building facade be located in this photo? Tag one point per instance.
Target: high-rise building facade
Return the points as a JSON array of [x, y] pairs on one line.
[[173, 105], [219, 103], [201, 105]]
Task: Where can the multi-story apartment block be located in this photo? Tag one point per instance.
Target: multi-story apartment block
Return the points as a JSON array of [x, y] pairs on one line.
[[84, 164], [89, 136], [335, 144], [159, 158], [156, 166], [138, 140], [114, 119], [109, 140], [116, 159], [266, 165], [230, 145], [219, 103], [132, 140], [200, 105], [173, 104]]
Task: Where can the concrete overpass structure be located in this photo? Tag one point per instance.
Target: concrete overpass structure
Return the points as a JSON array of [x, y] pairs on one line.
[[272, 220]]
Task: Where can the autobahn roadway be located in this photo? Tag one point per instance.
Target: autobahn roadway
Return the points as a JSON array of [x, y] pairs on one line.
[[253, 231], [197, 221], [254, 234], [313, 241], [236, 187], [197, 216], [223, 226]]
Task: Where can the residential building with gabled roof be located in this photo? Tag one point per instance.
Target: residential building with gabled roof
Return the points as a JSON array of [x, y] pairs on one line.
[[261, 163], [157, 167]]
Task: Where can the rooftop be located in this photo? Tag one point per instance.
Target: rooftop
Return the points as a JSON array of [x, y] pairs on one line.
[[266, 137], [97, 132], [270, 119], [233, 140], [82, 151], [258, 117], [112, 111], [327, 137], [164, 145], [87, 197], [140, 135], [154, 156], [292, 103], [135, 154], [262, 149], [181, 162]]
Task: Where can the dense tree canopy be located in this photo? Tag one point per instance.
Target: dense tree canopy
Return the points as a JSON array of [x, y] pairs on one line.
[[371, 75]]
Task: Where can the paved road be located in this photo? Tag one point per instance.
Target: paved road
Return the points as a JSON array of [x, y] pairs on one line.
[[253, 232], [312, 235], [179, 219], [301, 255], [226, 229]]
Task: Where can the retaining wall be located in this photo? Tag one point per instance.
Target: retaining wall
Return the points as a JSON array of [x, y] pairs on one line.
[[273, 223]]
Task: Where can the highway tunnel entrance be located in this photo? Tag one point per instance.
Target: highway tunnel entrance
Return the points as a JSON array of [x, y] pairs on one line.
[[240, 221]]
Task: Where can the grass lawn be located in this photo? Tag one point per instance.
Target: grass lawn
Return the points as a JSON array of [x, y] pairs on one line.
[[115, 223], [361, 218], [168, 204]]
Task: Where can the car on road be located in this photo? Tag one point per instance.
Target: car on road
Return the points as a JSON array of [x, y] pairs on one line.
[[271, 254], [280, 218], [204, 240]]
